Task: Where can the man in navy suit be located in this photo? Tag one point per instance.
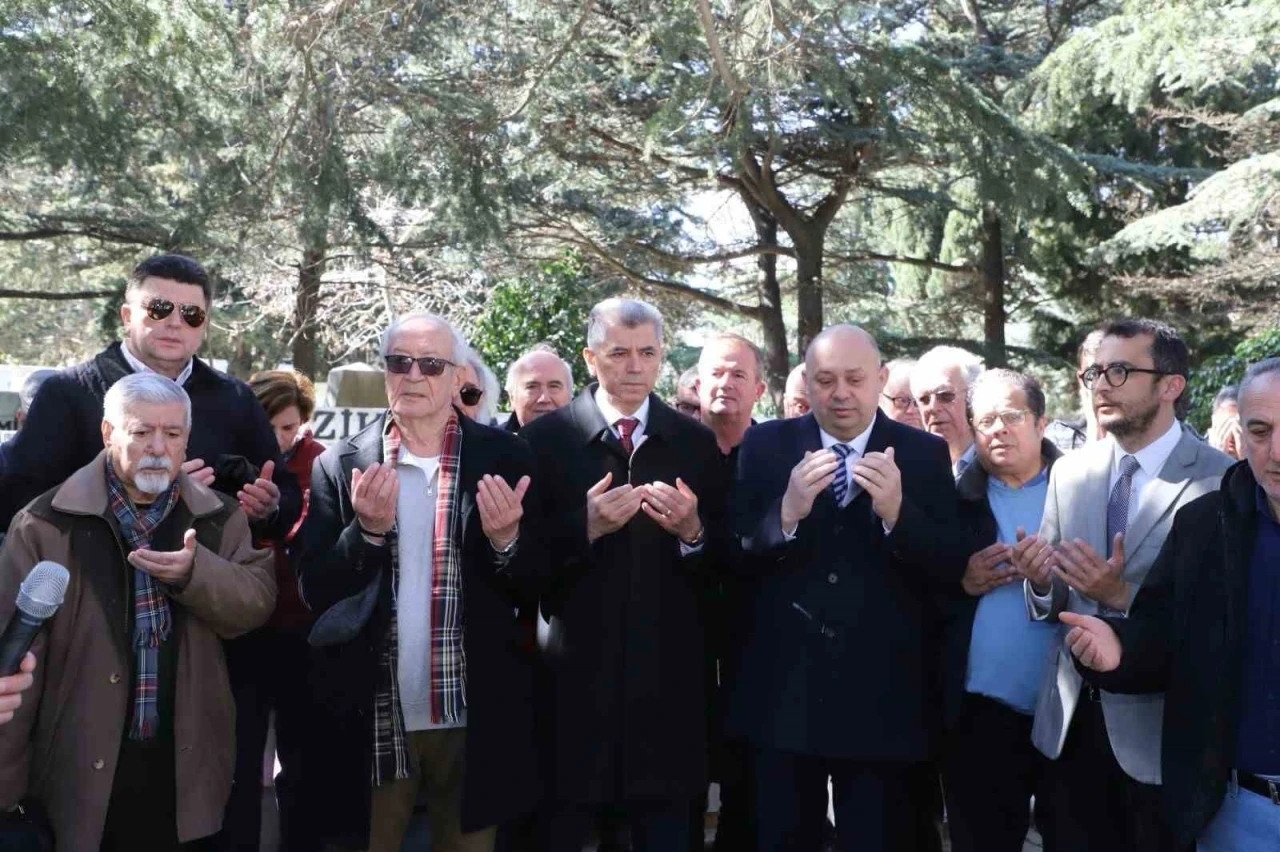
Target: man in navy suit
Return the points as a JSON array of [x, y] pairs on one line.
[[847, 521]]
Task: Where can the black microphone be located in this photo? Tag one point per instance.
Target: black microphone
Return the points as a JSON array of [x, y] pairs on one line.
[[39, 597]]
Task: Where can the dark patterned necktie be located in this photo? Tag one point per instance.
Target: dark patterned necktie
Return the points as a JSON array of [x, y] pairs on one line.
[[1118, 505], [626, 427], [840, 485]]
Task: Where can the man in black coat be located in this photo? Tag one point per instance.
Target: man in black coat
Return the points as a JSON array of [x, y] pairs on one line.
[[415, 555], [165, 315], [848, 522], [1205, 629], [631, 514]]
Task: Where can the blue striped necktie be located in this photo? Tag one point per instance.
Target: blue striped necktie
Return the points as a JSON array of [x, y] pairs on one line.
[[840, 486]]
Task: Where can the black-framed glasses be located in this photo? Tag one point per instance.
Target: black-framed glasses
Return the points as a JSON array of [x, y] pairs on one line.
[[470, 394], [901, 403], [158, 308], [943, 398], [1008, 417], [1116, 374], [428, 366], [690, 408]]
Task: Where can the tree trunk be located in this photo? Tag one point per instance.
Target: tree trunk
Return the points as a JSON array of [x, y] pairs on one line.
[[769, 297], [808, 290], [993, 280], [305, 306]]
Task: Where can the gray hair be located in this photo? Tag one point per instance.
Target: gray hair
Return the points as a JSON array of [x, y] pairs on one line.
[[143, 389], [948, 357], [1012, 378], [460, 347], [486, 411], [519, 362], [1229, 394], [687, 378], [629, 313], [905, 364], [1258, 371], [28, 393]]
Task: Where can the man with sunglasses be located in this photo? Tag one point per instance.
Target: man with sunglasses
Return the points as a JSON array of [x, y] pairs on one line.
[[1109, 508], [165, 315], [939, 382]]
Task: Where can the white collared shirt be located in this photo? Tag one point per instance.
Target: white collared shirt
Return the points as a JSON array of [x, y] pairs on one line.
[[613, 415], [1151, 460], [857, 449], [139, 367]]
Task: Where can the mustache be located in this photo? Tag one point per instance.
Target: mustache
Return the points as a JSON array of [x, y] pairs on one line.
[[155, 463]]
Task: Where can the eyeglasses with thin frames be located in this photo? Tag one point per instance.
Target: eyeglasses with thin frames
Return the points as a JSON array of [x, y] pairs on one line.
[[1008, 417], [943, 398], [901, 403]]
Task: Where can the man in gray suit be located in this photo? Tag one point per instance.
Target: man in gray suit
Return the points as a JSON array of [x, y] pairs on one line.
[[1109, 508]]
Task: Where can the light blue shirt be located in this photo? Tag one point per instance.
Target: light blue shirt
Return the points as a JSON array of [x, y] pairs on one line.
[[1008, 652]]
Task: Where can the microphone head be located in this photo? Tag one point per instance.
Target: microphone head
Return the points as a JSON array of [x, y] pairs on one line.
[[42, 592]]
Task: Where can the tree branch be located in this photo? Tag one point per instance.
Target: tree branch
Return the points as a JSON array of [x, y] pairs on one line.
[[923, 263], [46, 296]]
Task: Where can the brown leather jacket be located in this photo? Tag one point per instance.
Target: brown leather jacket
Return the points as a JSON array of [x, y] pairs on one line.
[[62, 745]]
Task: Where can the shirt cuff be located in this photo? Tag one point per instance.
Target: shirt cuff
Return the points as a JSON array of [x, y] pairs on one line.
[[1040, 604], [790, 536], [503, 556], [690, 549]]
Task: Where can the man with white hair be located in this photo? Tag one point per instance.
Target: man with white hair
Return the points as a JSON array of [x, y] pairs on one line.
[[415, 558], [939, 382], [631, 515], [795, 399], [538, 382], [128, 740]]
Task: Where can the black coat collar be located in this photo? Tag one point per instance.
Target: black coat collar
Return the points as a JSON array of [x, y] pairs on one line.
[[113, 367], [973, 482], [590, 426]]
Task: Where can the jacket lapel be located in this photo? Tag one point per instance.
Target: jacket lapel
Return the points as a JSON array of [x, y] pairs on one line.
[[1093, 497], [1163, 492], [363, 449]]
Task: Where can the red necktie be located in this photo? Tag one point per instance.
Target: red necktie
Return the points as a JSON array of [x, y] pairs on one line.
[[626, 426]]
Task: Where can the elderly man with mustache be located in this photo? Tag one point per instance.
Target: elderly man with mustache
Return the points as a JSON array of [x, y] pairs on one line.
[[126, 738]]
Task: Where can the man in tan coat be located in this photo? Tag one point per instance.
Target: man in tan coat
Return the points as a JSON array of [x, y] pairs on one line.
[[126, 738]]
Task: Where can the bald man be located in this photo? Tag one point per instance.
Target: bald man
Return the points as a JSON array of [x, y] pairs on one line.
[[845, 518], [795, 399], [538, 382]]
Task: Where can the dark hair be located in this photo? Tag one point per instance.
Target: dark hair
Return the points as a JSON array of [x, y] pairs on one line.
[[276, 390], [1230, 393], [174, 267], [1168, 352], [1027, 384]]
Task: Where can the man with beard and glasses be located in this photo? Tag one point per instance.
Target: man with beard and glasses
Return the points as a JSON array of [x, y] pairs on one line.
[[1108, 511], [127, 738]]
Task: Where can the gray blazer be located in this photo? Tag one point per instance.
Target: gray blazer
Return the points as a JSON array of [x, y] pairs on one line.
[[1076, 507]]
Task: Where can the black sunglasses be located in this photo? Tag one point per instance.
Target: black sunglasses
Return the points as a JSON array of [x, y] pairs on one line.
[[428, 366], [158, 309], [470, 394]]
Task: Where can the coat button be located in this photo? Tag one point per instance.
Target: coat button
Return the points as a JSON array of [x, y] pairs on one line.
[[99, 763], [833, 578], [115, 678]]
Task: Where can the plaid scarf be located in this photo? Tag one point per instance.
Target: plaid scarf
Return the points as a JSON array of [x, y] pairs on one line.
[[447, 659], [151, 617]]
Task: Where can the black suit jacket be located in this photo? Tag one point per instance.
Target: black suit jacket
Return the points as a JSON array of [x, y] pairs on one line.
[[500, 775], [627, 644], [63, 433], [1183, 637], [835, 663]]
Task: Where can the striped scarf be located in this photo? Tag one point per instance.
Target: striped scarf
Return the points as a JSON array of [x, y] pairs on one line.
[[448, 660], [152, 620]]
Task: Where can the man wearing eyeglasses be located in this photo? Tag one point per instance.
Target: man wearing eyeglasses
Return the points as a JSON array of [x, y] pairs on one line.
[[1109, 508], [896, 400], [165, 315], [939, 382], [994, 655]]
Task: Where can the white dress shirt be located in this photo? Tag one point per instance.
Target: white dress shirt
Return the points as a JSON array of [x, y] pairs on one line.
[[1151, 459], [857, 449], [139, 367]]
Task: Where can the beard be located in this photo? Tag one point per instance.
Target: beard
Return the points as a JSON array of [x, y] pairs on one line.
[[1132, 422], [154, 475]]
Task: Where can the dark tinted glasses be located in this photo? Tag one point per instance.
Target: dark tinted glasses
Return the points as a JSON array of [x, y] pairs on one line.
[[470, 394], [158, 309], [428, 366], [943, 397]]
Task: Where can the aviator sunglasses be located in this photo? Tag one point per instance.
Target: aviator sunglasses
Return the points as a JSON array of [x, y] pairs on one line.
[[158, 309]]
